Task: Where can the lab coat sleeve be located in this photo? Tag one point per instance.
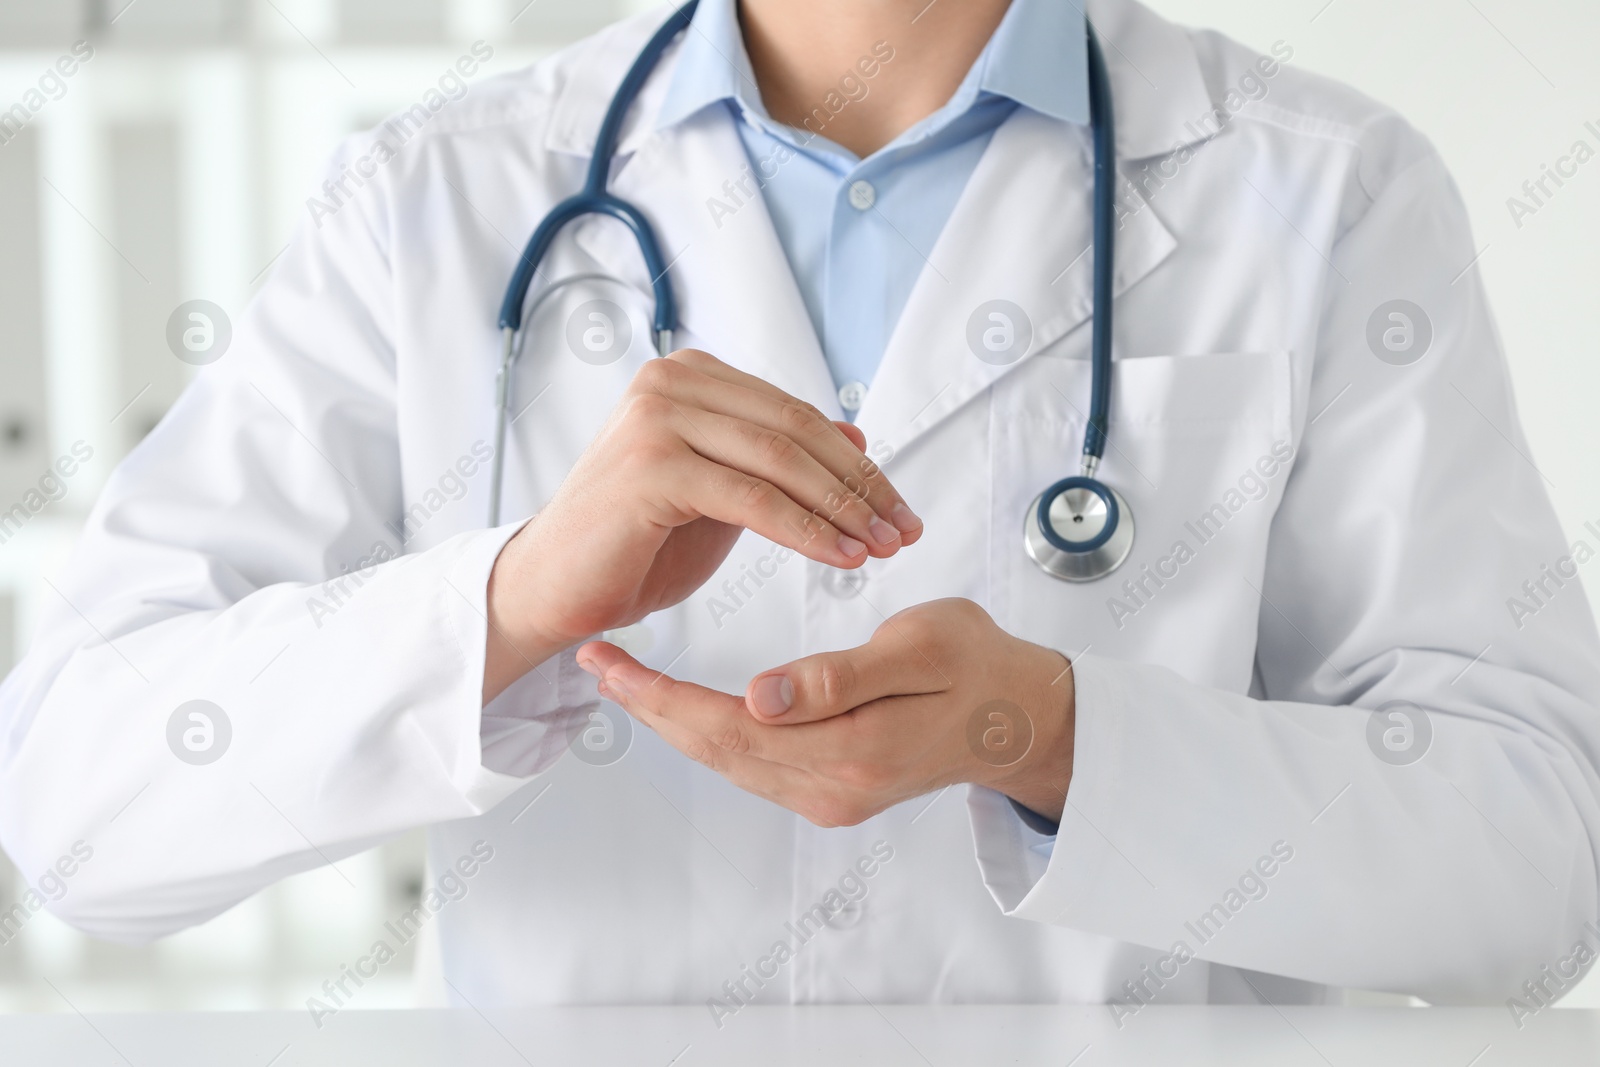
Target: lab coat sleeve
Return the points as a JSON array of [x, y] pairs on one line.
[[1414, 558], [250, 554]]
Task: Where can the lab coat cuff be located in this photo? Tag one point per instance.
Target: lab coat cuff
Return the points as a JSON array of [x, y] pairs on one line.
[[1018, 862], [525, 729], [488, 781]]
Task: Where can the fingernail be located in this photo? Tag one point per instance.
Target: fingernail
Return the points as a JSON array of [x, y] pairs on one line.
[[882, 532], [606, 692], [619, 692], [588, 665], [905, 518], [773, 695], [850, 546]]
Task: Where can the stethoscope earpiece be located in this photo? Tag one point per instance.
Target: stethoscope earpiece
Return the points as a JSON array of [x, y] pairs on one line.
[[1079, 530]]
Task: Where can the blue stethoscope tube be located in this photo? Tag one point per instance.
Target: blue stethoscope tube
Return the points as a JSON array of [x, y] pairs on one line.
[[1080, 529], [593, 199], [1102, 120], [1085, 556]]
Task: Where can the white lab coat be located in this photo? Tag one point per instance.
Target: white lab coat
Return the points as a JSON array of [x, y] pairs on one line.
[[1226, 717]]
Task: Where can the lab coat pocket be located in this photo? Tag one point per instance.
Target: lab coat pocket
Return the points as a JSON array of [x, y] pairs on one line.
[[1200, 448]]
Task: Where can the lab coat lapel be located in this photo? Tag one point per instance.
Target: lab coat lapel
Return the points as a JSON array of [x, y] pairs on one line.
[[735, 290], [1020, 234]]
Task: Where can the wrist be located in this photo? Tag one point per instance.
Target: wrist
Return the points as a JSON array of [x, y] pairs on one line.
[[1040, 779], [517, 640], [518, 586]]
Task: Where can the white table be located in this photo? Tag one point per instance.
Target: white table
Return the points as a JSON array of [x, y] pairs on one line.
[[789, 1037]]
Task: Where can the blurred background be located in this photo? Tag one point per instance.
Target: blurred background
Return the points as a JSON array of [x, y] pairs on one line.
[[174, 163]]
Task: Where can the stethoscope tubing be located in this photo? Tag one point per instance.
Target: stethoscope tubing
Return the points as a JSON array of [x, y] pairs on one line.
[[510, 353], [1102, 119], [595, 199]]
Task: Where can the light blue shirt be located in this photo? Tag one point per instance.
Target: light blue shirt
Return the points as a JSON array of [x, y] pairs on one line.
[[857, 232]]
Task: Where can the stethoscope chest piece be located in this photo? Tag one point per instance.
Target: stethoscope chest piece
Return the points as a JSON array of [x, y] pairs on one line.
[[1079, 530]]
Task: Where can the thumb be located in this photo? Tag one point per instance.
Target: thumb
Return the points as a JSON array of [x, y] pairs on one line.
[[832, 683]]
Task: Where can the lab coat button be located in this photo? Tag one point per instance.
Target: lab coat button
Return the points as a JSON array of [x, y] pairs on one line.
[[852, 395], [862, 195], [849, 916], [842, 584]]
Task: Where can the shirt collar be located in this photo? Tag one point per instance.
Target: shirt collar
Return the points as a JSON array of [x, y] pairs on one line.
[[1037, 57]]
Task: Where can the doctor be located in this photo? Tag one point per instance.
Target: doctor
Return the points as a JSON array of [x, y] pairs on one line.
[[1303, 738]]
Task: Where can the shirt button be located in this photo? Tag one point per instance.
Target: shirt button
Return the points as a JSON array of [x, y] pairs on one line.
[[862, 195], [852, 395], [849, 916], [842, 584]]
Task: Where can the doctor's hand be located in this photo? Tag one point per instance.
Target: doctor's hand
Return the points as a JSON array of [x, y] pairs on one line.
[[939, 696], [695, 453]]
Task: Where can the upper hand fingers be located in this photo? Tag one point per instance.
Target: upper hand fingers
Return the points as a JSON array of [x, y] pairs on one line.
[[730, 495], [853, 432], [769, 455], [699, 380], [712, 367]]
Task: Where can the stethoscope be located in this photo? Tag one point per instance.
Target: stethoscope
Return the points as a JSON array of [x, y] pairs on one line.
[[1078, 530]]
